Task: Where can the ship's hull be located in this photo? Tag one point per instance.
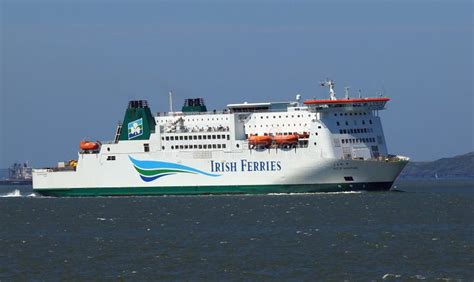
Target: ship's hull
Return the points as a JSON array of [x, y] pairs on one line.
[[208, 190], [243, 173]]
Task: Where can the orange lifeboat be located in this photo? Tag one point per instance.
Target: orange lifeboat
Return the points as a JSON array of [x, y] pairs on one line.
[[88, 145], [286, 139], [303, 135], [260, 140]]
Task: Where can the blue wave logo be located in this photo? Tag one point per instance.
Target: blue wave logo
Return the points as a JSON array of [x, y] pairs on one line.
[[152, 170]]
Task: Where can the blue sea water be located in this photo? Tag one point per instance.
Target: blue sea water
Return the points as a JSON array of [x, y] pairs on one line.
[[424, 232]]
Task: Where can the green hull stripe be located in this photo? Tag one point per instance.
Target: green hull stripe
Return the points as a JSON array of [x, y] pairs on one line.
[[204, 190]]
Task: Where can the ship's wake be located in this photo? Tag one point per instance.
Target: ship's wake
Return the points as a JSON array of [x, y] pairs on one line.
[[17, 194]]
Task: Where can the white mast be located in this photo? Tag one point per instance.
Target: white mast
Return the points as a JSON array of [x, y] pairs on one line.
[[330, 83], [171, 101], [346, 90]]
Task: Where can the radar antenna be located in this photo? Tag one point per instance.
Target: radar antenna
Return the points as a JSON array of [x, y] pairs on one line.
[[329, 83]]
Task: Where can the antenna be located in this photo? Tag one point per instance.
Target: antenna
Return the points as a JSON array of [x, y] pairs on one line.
[[330, 83], [346, 92], [360, 93], [171, 101], [298, 99]]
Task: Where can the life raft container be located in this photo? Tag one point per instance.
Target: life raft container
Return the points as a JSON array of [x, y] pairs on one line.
[[260, 140], [88, 145]]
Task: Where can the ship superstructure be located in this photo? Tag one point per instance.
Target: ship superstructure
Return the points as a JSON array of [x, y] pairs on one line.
[[272, 147]]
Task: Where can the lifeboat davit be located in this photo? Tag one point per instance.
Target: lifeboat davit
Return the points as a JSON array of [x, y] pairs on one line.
[[286, 139], [260, 140], [88, 145]]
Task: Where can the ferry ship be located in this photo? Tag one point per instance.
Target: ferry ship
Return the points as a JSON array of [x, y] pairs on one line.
[[318, 145], [18, 174]]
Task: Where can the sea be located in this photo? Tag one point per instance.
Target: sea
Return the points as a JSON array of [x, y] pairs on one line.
[[421, 230]]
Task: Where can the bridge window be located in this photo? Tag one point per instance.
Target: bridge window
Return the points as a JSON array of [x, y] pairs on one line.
[[146, 147]]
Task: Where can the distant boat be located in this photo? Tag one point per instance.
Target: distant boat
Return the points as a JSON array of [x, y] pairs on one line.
[[18, 174]]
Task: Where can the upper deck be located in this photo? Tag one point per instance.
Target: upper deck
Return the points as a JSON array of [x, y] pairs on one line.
[[350, 103]]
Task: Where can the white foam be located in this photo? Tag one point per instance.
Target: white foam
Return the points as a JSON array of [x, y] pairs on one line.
[[316, 193], [12, 194]]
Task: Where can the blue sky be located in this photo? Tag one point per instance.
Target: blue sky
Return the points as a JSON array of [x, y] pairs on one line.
[[68, 68]]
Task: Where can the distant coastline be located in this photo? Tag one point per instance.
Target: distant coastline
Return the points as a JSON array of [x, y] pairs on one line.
[[458, 167]]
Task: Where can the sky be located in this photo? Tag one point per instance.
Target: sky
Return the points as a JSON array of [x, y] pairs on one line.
[[68, 68]]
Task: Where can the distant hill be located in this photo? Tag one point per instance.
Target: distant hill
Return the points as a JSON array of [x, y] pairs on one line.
[[461, 166]]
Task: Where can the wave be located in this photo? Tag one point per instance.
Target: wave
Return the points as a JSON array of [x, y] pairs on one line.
[[17, 194]]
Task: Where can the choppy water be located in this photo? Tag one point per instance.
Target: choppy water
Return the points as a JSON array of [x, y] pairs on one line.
[[424, 233]]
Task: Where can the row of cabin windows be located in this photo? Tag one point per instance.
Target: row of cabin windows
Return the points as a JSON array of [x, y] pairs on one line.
[[356, 130], [355, 122], [350, 114], [286, 116], [200, 146], [197, 119], [358, 140], [272, 125], [196, 137]]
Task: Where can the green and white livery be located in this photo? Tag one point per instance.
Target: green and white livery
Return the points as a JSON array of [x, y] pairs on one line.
[[273, 147]]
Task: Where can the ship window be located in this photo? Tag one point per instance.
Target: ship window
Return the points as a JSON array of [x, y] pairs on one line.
[[162, 138], [162, 147], [200, 146], [348, 178], [228, 137], [185, 137], [204, 137], [172, 147], [167, 138], [340, 131], [223, 146], [108, 149], [223, 136], [347, 123], [181, 146], [195, 146], [199, 137], [343, 141], [146, 147], [111, 158], [213, 137], [237, 145], [171, 138], [370, 121], [363, 122], [195, 137], [205, 146], [219, 146], [338, 123], [214, 146], [180, 137], [314, 143], [340, 114]]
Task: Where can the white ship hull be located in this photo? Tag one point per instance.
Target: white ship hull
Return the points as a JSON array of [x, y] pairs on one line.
[[267, 171]]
